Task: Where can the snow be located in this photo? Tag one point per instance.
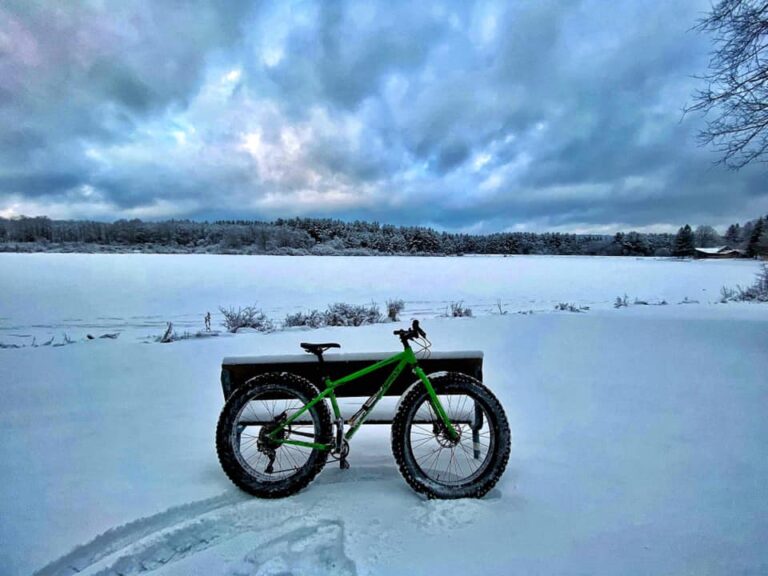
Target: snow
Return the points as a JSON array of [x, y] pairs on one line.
[[639, 434], [714, 250]]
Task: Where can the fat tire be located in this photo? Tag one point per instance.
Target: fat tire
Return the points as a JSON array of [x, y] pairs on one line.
[[401, 443], [241, 477]]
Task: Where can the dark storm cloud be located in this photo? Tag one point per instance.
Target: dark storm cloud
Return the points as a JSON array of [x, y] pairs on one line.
[[342, 57], [40, 183], [462, 115], [77, 72]]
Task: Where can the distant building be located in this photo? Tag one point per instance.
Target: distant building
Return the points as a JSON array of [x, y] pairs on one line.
[[719, 252]]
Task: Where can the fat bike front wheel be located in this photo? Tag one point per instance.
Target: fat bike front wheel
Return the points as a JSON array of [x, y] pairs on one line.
[[440, 465]]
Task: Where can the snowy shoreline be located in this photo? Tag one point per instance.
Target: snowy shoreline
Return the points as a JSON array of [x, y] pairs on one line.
[[17, 341], [47, 295]]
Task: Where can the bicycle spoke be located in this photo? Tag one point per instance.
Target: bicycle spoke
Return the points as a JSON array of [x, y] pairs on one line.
[[290, 457], [256, 450], [422, 441], [447, 459], [434, 461]]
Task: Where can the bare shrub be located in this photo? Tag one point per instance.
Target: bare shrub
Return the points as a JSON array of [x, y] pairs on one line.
[[394, 307], [621, 302], [758, 292], [567, 307], [458, 310], [167, 335], [311, 319], [170, 335], [248, 317], [65, 341], [340, 314], [727, 294]]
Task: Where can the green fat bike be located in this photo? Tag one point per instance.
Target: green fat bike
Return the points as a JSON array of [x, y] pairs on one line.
[[450, 436]]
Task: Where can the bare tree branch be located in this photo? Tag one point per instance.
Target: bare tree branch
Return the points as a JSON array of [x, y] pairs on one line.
[[735, 100]]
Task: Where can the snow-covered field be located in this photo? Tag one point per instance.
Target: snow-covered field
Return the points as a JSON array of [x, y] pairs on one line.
[[639, 434]]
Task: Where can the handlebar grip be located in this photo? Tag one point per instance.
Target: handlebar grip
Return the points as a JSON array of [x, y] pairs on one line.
[[417, 329], [412, 332]]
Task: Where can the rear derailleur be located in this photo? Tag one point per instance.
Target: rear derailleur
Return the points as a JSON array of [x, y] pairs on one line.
[[268, 445]]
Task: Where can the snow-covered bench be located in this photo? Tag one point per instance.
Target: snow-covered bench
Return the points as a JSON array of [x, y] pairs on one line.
[[237, 370]]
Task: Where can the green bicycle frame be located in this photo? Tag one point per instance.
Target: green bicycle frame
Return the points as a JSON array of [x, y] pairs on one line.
[[401, 360]]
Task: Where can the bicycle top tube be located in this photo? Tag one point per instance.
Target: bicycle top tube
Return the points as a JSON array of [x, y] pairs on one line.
[[406, 356]]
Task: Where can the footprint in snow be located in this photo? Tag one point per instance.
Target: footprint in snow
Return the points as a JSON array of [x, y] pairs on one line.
[[439, 515]]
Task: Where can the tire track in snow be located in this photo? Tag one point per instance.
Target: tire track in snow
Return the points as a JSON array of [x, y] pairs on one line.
[[296, 546], [115, 539], [285, 537]]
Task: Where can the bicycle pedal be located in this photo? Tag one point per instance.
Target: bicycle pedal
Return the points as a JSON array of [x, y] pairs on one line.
[[343, 464]]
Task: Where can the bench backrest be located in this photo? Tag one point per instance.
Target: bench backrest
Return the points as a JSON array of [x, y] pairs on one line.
[[235, 371]]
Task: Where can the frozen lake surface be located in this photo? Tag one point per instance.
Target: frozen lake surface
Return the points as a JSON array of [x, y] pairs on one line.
[[639, 434], [46, 295]]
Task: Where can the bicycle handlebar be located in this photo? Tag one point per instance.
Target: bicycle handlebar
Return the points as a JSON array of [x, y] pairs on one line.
[[413, 332]]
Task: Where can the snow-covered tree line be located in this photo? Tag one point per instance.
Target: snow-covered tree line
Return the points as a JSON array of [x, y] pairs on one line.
[[330, 236], [752, 237]]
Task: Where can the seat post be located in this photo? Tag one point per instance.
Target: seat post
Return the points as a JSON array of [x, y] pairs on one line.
[[321, 366], [317, 350]]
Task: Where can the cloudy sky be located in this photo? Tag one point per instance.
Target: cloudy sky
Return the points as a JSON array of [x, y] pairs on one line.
[[476, 116]]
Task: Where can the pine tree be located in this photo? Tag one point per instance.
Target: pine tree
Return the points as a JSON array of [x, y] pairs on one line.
[[684, 245], [733, 235], [755, 238]]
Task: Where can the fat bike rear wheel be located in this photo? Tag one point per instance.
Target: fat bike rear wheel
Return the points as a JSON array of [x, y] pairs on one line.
[[262, 464]]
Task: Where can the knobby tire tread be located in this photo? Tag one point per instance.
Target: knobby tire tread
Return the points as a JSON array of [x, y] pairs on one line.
[[240, 477], [409, 470]]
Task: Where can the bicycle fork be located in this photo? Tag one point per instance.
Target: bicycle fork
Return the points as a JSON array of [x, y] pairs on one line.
[[435, 401]]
